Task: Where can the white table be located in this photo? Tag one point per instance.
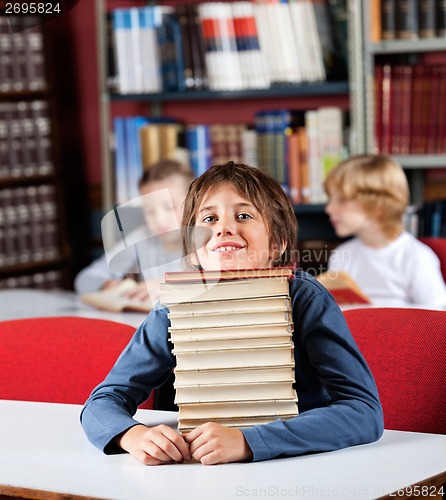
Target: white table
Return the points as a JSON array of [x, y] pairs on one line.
[[43, 449], [31, 303]]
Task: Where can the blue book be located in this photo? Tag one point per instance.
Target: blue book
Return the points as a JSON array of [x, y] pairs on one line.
[[134, 155], [198, 142], [120, 161]]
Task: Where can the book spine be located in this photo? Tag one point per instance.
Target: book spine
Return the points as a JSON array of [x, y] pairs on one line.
[[388, 19], [34, 58], [407, 19], [441, 17], [120, 144], [199, 146], [222, 60], [426, 14]]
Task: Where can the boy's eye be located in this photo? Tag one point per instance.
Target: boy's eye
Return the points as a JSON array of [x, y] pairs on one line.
[[209, 218], [243, 216]]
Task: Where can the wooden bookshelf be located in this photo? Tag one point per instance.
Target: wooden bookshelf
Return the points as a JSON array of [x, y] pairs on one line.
[[34, 250]]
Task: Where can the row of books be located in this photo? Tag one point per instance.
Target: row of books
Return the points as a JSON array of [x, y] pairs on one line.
[[407, 19], [25, 139], [410, 115], [28, 225], [297, 148], [222, 45], [47, 280], [22, 62], [232, 340]]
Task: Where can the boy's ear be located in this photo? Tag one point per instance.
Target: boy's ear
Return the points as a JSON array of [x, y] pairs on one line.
[[277, 250]]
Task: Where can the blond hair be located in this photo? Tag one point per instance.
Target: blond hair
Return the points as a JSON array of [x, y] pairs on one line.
[[377, 183], [264, 192]]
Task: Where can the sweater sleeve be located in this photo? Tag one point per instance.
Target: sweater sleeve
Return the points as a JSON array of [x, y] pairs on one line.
[[144, 364], [338, 399]]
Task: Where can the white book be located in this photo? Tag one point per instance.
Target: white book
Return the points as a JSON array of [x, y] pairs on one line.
[[135, 54], [236, 375], [251, 57], [121, 27], [236, 342], [314, 157], [236, 318], [228, 333], [267, 408], [177, 293], [222, 63], [231, 306], [255, 391], [187, 425], [301, 36], [234, 358], [313, 42], [151, 65]]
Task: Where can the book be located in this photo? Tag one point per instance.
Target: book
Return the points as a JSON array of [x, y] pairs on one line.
[[230, 333], [234, 357], [115, 300], [234, 318], [221, 392], [280, 303], [236, 375], [215, 411], [174, 293], [230, 274], [343, 288]]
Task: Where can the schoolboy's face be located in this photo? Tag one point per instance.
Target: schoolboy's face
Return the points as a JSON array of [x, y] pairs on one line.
[[163, 206], [347, 216], [238, 234]]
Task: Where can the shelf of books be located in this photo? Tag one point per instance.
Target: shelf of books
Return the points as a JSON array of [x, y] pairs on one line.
[[403, 84], [206, 53], [33, 249]]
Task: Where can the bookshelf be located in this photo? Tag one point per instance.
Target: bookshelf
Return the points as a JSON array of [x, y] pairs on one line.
[[200, 101], [364, 56], [34, 251]]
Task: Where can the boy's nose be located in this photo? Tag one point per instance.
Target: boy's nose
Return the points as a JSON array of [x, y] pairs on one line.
[[224, 227]]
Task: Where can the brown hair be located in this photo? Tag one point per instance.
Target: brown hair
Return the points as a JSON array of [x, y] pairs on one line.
[[165, 168], [378, 183], [264, 192]]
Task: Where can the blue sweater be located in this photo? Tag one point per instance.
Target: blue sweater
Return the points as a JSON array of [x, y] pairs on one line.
[[338, 400]]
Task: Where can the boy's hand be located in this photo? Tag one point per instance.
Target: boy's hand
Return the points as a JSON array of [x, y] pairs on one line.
[[146, 291], [154, 445], [212, 443]]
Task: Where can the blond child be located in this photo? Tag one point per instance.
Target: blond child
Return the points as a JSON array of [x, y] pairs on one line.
[[251, 224], [163, 188], [368, 195]]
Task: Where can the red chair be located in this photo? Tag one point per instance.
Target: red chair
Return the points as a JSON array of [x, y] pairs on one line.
[[406, 352], [58, 359], [438, 245]]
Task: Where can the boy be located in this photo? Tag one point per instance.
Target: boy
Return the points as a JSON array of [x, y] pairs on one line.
[[249, 223], [163, 187], [368, 195]]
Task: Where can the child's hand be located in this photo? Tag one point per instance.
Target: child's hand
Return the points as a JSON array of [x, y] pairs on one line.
[[212, 443], [154, 445]]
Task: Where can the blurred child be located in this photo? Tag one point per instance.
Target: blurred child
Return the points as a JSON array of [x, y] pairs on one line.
[[368, 196], [251, 224], [162, 215]]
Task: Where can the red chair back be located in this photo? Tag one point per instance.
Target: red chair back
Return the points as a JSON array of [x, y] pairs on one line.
[[58, 359], [438, 245], [405, 350]]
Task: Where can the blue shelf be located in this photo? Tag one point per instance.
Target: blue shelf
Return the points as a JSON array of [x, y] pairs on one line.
[[317, 89]]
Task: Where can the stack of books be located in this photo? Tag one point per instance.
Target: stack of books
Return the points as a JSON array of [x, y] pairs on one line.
[[232, 338]]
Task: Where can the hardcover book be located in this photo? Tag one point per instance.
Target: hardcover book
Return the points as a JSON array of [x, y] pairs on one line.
[[343, 288]]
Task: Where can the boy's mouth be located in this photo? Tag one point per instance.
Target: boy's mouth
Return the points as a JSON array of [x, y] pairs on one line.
[[227, 247]]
